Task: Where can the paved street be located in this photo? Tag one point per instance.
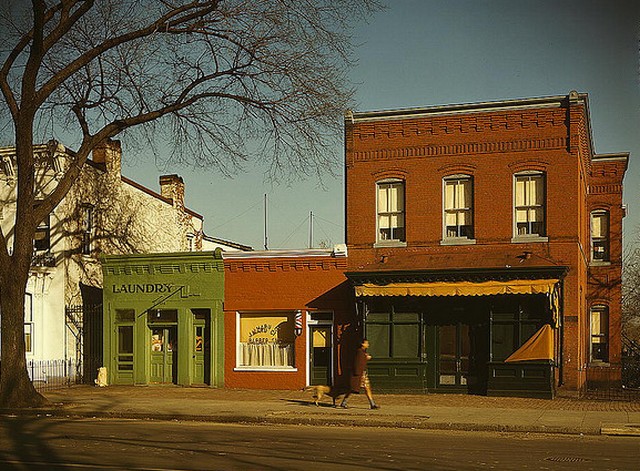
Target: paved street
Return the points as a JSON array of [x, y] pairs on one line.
[[47, 443]]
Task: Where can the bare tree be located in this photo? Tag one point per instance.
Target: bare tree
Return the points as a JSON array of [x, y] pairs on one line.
[[216, 81], [631, 290]]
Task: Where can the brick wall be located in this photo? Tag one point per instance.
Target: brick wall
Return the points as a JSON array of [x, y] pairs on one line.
[[491, 143]]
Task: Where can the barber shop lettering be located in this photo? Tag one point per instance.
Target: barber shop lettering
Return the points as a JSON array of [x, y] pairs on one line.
[[143, 288], [265, 333]]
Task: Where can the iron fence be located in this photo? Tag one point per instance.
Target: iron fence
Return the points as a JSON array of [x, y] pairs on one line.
[[629, 388], [52, 374]]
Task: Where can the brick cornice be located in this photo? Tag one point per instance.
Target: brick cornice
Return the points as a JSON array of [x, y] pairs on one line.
[[612, 188], [273, 265], [433, 150]]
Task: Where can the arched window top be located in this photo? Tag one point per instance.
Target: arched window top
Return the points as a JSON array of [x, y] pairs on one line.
[[390, 180], [458, 176]]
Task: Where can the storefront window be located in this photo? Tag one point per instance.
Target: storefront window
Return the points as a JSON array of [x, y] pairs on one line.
[[393, 334], [513, 323], [266, 340]]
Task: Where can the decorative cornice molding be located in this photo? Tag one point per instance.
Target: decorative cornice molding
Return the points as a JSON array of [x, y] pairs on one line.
[[434, 150], [612, 188], [461, 124], [273, 265]]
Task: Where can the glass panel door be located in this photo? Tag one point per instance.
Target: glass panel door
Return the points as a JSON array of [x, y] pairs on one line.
[[453, 354]]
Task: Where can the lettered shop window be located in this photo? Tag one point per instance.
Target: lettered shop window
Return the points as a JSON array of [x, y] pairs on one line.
[[266, 340], [458, 207], [600, 236], [529, 205], [391, 211], [599, 333]]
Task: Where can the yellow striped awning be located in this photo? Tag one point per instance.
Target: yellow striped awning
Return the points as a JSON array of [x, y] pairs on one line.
[[458, 288], [467, 288]]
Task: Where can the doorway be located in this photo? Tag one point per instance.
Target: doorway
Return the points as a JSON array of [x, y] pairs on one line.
[[320, 355], [164, 354], [201, 346], [453, 355], [320, 348]]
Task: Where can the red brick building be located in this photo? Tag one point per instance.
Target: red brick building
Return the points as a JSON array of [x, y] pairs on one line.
[[474, 228], [288, 320]]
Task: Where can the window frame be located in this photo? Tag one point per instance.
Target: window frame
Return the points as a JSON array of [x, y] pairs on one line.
[[603, 241], [402, 239], [542, 235], [603, 333], [87, 229], [469, 211], [239, 366], [44, 227], [394, 324], [28, 324]]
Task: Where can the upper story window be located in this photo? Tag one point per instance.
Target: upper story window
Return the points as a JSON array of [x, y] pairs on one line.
[[530, 205], [87, 229], [458, 207], [600, 333], [600, 236], [42, 238], [191, 242], [391, 212]]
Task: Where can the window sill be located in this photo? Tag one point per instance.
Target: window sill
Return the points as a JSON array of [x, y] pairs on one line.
[[599, 263], [529, 239], [599, 364], [389, 243], [457, 241], [257, 369]]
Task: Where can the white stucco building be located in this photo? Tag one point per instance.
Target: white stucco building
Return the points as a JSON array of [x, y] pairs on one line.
[[105, 213]]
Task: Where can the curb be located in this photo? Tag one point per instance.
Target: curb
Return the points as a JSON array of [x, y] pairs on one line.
[[421, 423], [627, 430]]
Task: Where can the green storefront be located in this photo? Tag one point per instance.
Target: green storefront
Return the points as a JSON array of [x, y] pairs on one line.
[[163, 318]]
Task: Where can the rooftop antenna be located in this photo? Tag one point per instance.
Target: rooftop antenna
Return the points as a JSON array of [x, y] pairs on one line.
[[266, 245], [310, 229]]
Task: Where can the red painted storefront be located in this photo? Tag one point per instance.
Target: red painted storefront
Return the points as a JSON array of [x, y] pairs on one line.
[[264, 294]]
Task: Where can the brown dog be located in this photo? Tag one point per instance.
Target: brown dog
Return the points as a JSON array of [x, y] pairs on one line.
[[319, 391]]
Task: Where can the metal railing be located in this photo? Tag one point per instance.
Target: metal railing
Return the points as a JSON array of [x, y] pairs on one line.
[[52, 374]]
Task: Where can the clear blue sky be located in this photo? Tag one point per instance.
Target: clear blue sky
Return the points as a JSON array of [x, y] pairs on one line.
[[435, 52]]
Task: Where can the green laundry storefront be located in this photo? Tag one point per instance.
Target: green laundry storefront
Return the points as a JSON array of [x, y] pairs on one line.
[[163, 318]]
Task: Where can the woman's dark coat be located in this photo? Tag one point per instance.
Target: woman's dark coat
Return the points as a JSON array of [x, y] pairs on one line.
[[359, 365]]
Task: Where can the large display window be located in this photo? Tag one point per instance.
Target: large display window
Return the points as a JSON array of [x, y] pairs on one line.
[[266, 340]]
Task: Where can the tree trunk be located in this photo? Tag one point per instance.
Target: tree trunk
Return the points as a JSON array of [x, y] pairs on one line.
[[16, 389]]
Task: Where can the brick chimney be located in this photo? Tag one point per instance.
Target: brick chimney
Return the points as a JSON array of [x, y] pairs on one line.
[[109, 153], [172, 187]]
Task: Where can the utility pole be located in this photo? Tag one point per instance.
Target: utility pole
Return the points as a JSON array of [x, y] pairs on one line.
[[310, 229], [266, 234]]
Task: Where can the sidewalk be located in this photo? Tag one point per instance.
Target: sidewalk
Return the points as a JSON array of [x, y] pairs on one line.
[[430, 411]]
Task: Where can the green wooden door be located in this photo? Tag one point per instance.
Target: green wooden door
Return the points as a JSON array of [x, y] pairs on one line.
[[164, 354], [199, 353]]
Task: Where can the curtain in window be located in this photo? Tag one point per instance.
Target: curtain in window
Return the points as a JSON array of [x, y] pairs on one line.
[[458, 196], [599, 225], [266, 354]]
